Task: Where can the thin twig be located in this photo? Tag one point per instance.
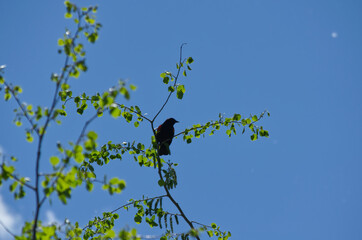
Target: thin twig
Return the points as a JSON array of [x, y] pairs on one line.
[[201, 224], [176, 78], [22, 182], [218, 122], [33, 126], [129, 109], [125, 205]]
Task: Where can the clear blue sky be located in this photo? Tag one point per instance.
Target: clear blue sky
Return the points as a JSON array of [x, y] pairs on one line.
[[300, 60]]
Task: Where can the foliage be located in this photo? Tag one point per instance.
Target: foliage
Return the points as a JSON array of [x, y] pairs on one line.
[[75, 163]]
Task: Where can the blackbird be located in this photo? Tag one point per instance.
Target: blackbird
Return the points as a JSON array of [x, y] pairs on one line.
[[164, 135]]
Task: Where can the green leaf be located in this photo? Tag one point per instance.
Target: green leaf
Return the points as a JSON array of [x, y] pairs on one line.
[[68, 15], [82, 66], [7, 96], [255, 118], [125, 92], [138, 219], [60, 42], [92, 135], [89, 186], [114, 181], [89, 20], [54, 160], [189, 60], [133, 87], [93, 37], [75, 73], [29, 137], [18, 89], [171, 89], [109, 234], [77, 99], [161, 183], [180, 91], [115, 112], [228, 132], [166, 80], [78, 154], [254, 137], [13, 186]]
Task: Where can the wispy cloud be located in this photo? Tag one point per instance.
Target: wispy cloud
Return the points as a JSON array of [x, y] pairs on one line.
[[9, 219], [50, 218]]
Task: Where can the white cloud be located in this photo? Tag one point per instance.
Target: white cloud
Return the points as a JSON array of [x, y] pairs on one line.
[[334, 34], [50, 218], [9, 219]]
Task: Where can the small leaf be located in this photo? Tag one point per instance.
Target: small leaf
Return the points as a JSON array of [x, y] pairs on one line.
[[254, 137], [138, 219], [189, 60], [68, 15], [133, 87], [60, 42], [171, 89], [166, 80], [161, 183], [29, 137], [180, 91], [54, 160]]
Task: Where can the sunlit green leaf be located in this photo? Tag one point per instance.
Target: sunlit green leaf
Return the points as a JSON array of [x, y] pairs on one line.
[[54, 160], [68, 15]]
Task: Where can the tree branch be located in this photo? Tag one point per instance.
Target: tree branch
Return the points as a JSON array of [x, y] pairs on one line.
[[55, 100], [176, 78], [77, 143], [33, 125], [172, 199], [219, 122], [22, 182], [125, 205]]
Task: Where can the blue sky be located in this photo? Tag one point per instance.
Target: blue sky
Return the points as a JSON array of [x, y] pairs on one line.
[[300, 60]]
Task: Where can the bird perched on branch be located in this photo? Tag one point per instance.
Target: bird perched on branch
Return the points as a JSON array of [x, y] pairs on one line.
[[164, 135]]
